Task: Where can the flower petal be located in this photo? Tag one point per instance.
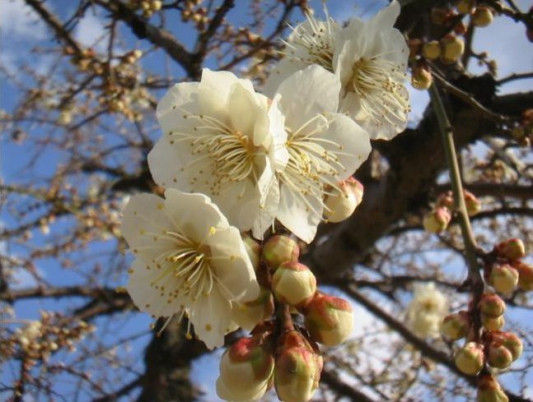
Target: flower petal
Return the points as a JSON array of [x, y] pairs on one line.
[[308, 93], [194, 214], [180, 98], [300, 214], [231, 264], [152, 299], [211, 317]]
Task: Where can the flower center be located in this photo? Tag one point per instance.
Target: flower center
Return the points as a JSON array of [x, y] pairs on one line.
[[229, 153], [317, 44], [188, 262], [378, 82], [313, 163]]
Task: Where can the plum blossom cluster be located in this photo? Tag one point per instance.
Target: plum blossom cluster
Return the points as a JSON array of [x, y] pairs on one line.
[[246, 177]]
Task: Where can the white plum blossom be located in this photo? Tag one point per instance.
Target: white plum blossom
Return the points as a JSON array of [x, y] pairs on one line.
[[311, 42], [370, 59], [427, 310], [324, 147], [189, 260], [222, 139]]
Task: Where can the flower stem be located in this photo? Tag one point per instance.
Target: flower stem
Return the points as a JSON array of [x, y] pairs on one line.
[[474, 278]]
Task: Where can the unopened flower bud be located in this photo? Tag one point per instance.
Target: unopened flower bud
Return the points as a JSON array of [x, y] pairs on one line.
[[510, 341], [499, 356], [421, 78], [340, 204], [294, 284], [492, 305], [297, 373], [492, 323], [511, 249], [431, 50], [245, 371], [482, 17], [253, 249], [489, 390], [470, 359], [437, 220], [473, 205], [465, 6], [503, 278], [329, 319], [279, 249], [455, 326], [452, 48], [446, 200], [525, 275]]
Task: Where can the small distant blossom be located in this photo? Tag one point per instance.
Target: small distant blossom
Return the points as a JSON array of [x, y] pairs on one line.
[[324, 148], [427, 309], [370, 59], [222, 139], [189, 260]]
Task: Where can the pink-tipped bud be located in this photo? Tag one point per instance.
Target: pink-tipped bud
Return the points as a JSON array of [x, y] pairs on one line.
[[329, 319], [525, 275], [446, 200], [452, 48], [253, 249], [511, 341], [297, 371], [511, 249], [503, 278], [489, 390], [470, 358], [437, 220], [473, 205], [279, 249], [482, 17], [343, 200], [245, 371], [431, 50], [455, 326], [499, 356], [248, 314], [294, 284], [421, 78], [492, 305], [492, 323]]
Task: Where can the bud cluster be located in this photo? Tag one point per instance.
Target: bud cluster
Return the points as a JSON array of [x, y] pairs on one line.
[[120, 90], [280, 353], [487, 345], [447, 48], [36, 340], [148, 7], [439, 218], [328, 319]]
